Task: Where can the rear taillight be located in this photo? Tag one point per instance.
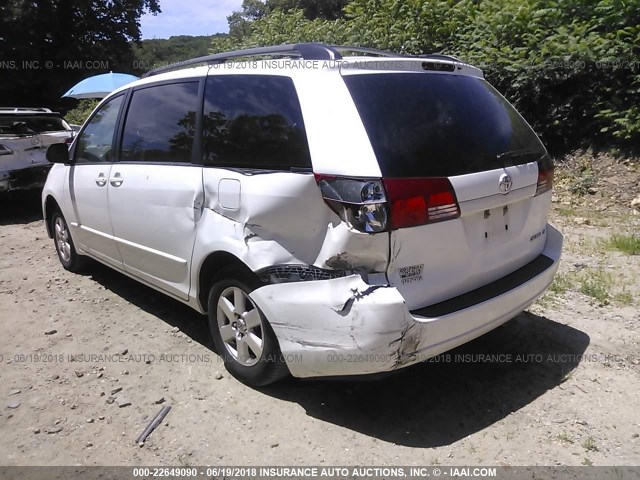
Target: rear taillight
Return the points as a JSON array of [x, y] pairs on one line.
[[361, 203], [545, 175], [375, 205], [416, 201], [68, 140]]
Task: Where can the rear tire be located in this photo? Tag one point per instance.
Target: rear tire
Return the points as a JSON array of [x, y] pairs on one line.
[[241, 334], [63, 242]]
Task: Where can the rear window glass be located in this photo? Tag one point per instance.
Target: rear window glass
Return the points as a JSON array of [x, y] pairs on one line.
[[426, 125], [31, 125], [253, 121]]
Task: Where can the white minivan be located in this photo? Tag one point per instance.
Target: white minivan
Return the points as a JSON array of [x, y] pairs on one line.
[[331, 215]]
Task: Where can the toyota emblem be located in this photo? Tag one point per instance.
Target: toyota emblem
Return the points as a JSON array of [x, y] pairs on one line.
[[505, 183]]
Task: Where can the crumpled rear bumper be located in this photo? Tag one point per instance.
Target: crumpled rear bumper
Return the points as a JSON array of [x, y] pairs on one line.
[[346, 326]]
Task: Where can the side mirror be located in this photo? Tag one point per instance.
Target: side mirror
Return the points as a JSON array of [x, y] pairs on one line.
[[58, 153]]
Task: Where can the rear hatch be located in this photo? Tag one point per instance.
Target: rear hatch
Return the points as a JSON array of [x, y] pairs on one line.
[[467, 180]]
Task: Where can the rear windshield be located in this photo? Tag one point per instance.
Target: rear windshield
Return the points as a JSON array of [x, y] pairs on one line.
[[30, 125], [425, 125]]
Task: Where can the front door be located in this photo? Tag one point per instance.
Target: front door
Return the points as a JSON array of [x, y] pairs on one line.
[[155, 190], [88, 184]]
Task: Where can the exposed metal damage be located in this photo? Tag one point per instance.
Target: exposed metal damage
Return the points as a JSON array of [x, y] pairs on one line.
[[356, 295], [341, 261], [406, 346], [249, 237]]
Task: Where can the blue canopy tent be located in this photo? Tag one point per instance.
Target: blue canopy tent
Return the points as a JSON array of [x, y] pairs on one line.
[[99, 86]]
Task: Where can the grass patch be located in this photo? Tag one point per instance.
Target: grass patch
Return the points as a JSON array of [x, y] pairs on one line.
[[564, 437], [590, 444], [582, 181], [624, 298], [629, 244], [561, 284], [596, 284], [567, 212]]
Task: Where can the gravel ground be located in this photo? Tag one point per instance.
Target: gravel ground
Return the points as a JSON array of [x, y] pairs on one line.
[[87, 361]]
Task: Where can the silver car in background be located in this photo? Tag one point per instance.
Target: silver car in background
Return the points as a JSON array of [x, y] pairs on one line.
[[25, 134]]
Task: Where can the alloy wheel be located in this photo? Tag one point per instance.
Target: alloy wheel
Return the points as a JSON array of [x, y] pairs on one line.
[[240, 326]]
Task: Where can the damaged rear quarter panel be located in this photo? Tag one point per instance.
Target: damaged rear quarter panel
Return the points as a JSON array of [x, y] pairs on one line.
[[280, 218]]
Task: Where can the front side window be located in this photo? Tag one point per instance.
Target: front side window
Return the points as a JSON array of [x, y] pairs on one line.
[[96, 140], [253, 121], [161, 124]]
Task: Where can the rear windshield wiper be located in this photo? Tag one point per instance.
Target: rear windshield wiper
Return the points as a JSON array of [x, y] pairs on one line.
[[513, 154]]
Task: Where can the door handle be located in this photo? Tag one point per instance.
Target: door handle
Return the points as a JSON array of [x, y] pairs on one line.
[[101, 181], [116, 180]]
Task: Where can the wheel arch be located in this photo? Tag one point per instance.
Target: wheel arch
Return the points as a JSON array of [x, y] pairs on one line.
[[210, 269], [50, 206]]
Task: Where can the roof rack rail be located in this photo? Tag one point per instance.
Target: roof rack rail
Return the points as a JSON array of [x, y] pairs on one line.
[[24, 109], [372, 51], [441, 56], [309, 51]]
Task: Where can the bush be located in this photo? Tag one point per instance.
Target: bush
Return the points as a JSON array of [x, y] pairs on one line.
[[79, 114], [567, 66]]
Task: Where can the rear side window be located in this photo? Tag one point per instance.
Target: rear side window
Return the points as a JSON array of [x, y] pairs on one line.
[[161, 124], [253, 121], [439, 125]]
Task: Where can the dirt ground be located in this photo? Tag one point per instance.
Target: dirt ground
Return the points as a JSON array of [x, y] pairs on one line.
[[557, 385]]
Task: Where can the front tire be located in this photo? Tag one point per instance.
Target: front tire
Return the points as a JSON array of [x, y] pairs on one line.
[[65, 248], [241, 335]]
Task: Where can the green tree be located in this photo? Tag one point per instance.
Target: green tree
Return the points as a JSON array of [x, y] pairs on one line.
[[49, 45], [79, 114], [149, 54], [313, 9], [241, 21]]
